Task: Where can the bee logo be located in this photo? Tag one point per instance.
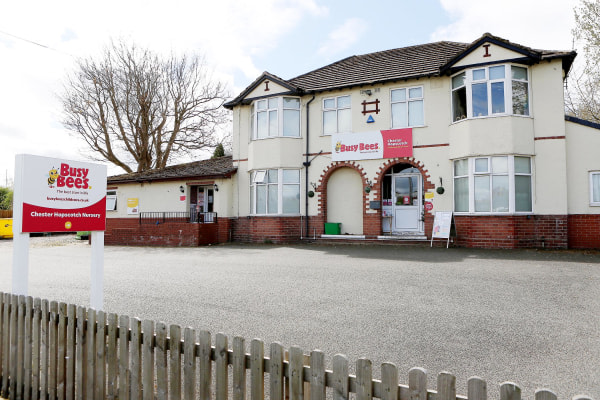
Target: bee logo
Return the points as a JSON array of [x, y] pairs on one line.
[[52, 176], [338, 146]]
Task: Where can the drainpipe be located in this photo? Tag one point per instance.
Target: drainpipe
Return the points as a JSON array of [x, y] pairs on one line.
[[307, 162]]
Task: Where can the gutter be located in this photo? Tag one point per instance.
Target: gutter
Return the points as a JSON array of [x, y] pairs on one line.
[[307, 162]]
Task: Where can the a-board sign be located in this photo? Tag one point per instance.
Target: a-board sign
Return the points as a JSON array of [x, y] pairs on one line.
[[62, 195], [441, 225]]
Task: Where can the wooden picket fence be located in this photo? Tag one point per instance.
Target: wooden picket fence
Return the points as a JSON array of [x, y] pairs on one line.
[[59, 351]]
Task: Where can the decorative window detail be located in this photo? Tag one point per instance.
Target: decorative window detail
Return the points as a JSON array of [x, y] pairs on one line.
[[111, 200], [496, 184], [407, 107], [337, 116], [595, 188], [275, 117], [493, 90], [275, 191]]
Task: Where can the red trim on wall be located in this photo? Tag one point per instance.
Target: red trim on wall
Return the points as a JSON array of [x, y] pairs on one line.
[[549, 137], [423, 146]]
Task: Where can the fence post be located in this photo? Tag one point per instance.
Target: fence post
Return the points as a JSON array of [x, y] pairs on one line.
[[205, 364], [112, 356], [296, 373], [545, 394], [340, 377], [257, 373], [148, 360], [510, 391], [276, 391], [61, 351], [221, 369], [124, 374], [317, 375], [175, 361], [364, 379], [189, 364], [28, 347], [20, 346], [81, 361], [35, 356], [14, 310], [446, 386], [71, 352], [135, 360], [389, 381], [417, 384], [476, 389], [162, 378], [3, 334], [239, 368]]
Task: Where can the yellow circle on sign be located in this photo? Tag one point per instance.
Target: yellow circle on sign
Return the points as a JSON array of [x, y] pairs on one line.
[[68, 224]]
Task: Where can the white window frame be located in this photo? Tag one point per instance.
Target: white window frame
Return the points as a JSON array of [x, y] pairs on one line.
[[111, 200], [408, 100], [592, 202], [280, 110], [511, 184], [337, 109], [469, 81], [256, 181]]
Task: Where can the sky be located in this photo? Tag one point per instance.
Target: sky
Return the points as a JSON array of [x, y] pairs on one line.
[[40, 42]]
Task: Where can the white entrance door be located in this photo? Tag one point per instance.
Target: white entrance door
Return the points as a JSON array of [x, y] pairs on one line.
[[407, 203]]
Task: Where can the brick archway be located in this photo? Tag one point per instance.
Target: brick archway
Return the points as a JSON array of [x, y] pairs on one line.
[[427, 184], [324, 179]]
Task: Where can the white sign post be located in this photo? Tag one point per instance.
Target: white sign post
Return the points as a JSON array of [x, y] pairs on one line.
[[56, 195]]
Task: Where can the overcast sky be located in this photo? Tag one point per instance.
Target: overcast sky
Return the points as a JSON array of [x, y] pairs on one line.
[[40, 41]]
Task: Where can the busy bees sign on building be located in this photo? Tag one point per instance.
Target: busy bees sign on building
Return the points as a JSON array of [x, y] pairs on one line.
[[61, 195], [372, 145]]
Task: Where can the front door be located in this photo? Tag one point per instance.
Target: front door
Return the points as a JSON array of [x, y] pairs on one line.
[[407, 205]]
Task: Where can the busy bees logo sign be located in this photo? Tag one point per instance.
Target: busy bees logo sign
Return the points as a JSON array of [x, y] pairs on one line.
[[372, 145], [61, 195]]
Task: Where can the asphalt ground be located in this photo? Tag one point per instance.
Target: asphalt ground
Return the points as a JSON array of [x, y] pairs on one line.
[[529, 317]]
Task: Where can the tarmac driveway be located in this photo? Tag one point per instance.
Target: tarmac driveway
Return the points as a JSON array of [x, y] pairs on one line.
[[530, 317]]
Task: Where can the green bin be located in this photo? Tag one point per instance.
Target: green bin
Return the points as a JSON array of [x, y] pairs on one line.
[[333, 228]]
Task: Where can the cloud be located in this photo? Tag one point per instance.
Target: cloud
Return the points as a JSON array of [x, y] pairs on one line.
[[523, 22], [343, 37]]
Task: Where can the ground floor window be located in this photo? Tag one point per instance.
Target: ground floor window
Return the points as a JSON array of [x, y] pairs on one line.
[[275, 191], [493, 184], [111, 200], [595, 188]]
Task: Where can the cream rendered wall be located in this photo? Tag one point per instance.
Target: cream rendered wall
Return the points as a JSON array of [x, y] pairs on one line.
[[223, 199], [158, 196], [581, 160], [345, 200], [260, 90], [550, 154], [496, 53]]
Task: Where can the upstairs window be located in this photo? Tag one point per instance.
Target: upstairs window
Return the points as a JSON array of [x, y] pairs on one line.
[[336, 115], [277, 116], [407, 107], [493, 90]]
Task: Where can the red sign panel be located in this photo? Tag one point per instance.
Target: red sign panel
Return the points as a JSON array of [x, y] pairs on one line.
[[397, 143]]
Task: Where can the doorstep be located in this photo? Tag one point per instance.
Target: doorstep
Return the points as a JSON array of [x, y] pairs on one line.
[[348, 237]]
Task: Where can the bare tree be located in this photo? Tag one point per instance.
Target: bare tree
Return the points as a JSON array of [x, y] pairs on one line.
[[138, 110], [583, 94]]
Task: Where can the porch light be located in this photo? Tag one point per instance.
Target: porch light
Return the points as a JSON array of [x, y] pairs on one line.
[[216, 187], [181, 189]]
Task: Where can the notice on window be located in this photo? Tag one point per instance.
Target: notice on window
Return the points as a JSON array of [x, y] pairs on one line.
[[442, 224]]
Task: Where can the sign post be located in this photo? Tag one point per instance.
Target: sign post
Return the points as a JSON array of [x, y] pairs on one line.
[[56, 195]]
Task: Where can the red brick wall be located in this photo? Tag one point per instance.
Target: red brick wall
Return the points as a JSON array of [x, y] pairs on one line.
[[261, 229], [510, 232], [129, 232], [584, 231]]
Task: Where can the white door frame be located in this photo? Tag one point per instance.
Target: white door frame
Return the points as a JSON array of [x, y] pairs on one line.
[[407, 210]]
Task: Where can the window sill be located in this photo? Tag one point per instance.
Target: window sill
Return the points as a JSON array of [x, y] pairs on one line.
[[491, 116], [276, 137]]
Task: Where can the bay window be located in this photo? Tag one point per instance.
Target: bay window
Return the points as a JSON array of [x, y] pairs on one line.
[[407, 107], [336, 115], [595, 188], [275, 117], [275, 191], [487, 91], [495, 184]]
